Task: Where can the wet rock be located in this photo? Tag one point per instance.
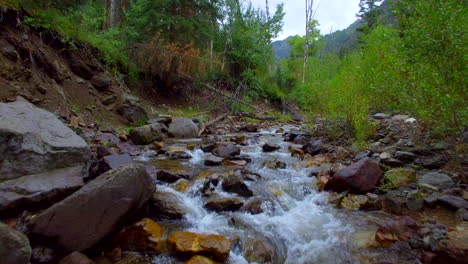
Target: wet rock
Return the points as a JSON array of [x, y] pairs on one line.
[[251, 128], [44, 255], [200, 260], [404, 156], [182, 127], [169, 177], [414, 201], [224, 204], [187, 244], [40, 189], [148, 134], [235, 184], [398, 229], [341, 153], [438, 180], [314, 148], [395, 178], [34, 141], [452, 202], [360, 177], [394, 202], [130, 108], [382, 116], [355, 202], [212, 160], [269, 147], [102, 151], [362, 154], [226, 149], [323, 168], [250, 176], [142, 236], [258, 251], [166, 206], [179, 155], [336, 198], [113, 162], [128, 148], [76, 258], [101, 81], [274, 164], [208, 147], [15, 247], [107, 139], [254, 206], [238, 163], [121, 193]]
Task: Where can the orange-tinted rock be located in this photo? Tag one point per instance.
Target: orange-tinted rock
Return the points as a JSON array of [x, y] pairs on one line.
[[186, 244], [200, 260], [141, 237]]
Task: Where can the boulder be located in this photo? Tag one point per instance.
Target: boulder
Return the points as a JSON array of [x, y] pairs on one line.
[[39, 190], [166, 206], [235, 184], [93, 212], [169, 177], [131, 109], [101, 81], [360, 177], [113, 162], [187, 244], [439, 180], [224, 204], [76, 258], [102, 151], [14, 246], [182, 127], [314, 148], [452, 202], [212, 160], [200, 260], [142, 236], [226, 149], [268, 147], [33, 141], [148, 134]]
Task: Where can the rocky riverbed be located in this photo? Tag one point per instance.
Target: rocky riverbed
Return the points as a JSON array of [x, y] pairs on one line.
[[271, 193]]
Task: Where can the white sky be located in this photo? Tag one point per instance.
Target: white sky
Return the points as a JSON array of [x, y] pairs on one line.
[[338, 14]]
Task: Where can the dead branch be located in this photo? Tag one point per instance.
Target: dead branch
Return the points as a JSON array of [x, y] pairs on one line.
[[212, 122], [254, 116]]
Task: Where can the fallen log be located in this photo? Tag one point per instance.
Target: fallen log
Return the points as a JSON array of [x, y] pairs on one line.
[[254, 116]]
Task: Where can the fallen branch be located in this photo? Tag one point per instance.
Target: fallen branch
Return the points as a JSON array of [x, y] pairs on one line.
[[212, 122], [230, 97], [254, 116]]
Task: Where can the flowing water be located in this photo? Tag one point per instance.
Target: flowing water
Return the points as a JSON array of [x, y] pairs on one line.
[[297, 220]]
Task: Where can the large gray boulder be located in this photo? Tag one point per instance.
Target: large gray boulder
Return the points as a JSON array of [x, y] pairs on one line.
[[182, 127], [131, 108], [40, 189], [33, 141], [148, 134], [439, 180], [14, 246], [96, 210]]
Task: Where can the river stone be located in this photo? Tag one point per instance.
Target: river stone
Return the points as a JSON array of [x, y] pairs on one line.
[[224, 204], [113, 162], [452, 202], [212, 160], [200, 260], [76, 258], [360, 177], [405, 156], [101, 81], [187, 244], [130, 108], [170, 177], [14, 246], [439, 180], [166, 206], [93, 212], [148, 134], [33, 141], [182, 127], [314, 148], [142, 236], [226, 149], [235, 184], [39, 189], [269, 147], [258, 250]]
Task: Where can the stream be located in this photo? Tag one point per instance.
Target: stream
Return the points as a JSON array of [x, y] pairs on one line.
[[297, 220]]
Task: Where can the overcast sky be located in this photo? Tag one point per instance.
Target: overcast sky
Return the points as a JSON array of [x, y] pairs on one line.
[[338, 14]]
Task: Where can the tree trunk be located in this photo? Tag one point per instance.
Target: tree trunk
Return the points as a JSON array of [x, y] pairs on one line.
[[114, 12]]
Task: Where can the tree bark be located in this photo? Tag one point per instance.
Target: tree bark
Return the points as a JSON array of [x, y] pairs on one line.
[[114, 12]]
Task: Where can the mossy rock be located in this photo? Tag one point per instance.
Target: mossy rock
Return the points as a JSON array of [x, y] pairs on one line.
[[395, 178]]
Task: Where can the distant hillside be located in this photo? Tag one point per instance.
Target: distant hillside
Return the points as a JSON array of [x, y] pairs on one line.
[[340, 41], [281, 48]]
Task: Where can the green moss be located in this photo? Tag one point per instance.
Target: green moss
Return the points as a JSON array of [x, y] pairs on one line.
[[398, 177]]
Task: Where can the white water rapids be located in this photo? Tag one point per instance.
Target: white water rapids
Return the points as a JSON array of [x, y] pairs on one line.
[[297, 219]]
